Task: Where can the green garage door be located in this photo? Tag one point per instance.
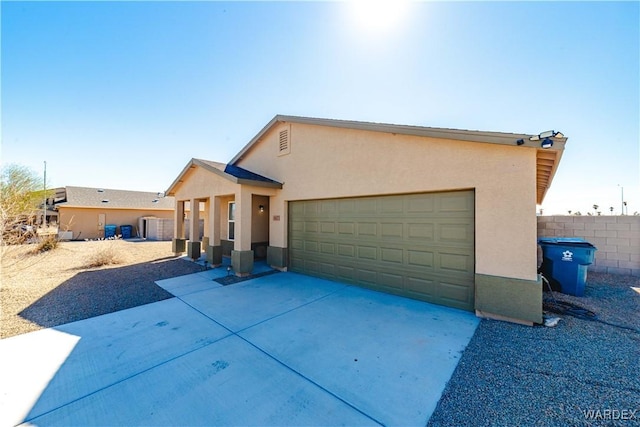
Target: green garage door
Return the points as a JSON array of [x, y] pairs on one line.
[[416, 245]]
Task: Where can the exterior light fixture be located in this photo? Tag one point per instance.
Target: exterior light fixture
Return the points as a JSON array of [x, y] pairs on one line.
[[546, 143], [261, 208], [520, 141], [546, 136]]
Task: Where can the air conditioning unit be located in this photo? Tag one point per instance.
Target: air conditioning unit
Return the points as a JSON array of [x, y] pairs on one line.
[[65, 235]]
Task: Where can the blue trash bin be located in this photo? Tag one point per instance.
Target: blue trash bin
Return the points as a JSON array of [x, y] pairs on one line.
[[126, 231], [565, 261], [109, 231]]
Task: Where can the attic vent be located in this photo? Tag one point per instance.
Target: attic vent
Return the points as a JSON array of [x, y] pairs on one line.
[[100, 190], [283, 142], [105, 200]]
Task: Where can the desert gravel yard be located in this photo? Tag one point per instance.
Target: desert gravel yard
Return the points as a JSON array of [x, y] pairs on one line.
[[579, 373], [41, 290]]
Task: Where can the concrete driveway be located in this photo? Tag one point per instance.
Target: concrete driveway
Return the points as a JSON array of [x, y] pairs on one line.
[[282, 349]]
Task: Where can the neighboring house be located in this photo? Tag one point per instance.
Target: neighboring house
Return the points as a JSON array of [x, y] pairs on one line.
[[84, 212], [442, 215]]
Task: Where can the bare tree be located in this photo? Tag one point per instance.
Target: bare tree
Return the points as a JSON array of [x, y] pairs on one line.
[[21, 195]]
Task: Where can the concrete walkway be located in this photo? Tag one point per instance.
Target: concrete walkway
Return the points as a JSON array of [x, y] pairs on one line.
[[283, 349]]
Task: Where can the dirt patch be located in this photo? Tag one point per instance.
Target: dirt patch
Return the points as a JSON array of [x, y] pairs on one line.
[[40, 290]]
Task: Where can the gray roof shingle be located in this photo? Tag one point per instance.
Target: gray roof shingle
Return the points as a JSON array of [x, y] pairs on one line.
[[115, 199]]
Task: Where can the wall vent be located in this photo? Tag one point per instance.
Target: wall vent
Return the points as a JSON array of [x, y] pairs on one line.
[[284, 144]]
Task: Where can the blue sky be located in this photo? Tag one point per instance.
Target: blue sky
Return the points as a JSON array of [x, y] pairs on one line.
[[123, 94]]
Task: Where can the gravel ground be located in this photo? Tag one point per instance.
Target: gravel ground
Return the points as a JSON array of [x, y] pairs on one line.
[[539, 376], [56, 287]]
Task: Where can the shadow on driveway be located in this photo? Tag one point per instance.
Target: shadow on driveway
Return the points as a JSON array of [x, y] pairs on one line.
[[101, 291]]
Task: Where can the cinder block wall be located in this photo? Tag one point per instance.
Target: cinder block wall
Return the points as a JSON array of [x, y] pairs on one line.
[[616, 237]]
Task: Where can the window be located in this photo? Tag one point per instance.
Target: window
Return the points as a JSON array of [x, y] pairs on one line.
[[232, 220]]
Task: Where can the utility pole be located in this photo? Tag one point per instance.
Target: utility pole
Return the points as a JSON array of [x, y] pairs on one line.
[[44, 206]]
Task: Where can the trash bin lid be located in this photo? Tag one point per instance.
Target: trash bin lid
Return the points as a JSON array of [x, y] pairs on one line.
[[564, 241]]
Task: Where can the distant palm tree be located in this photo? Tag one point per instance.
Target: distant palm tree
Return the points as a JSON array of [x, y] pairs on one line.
[[611, 209], [569, 211], [595, 208]]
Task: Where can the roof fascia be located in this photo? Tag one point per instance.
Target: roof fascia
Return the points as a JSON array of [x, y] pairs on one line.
[[242, 181], [193, 163]]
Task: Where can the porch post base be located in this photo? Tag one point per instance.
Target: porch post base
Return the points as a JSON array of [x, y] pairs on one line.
[[277, 257], [178, 246], [242, 262], [214, 255], [194, 250]]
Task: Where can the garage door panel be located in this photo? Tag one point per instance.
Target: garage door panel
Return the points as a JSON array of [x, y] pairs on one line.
[[328, 269], [347, 228], [327, 248], [346, 273], [419, 245], [328, 227], [454, 233], [420, 258], [420, 286], [419, 204], [328, 207], [368, 277], [454, 293], [455, 202], [392, 255], [392, 230], [367, 229], [421, 231], [367, 253], [391, 205], [347, 250], [346, 206], [455, 262]]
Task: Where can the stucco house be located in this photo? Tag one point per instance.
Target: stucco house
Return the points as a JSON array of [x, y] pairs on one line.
[[441, 215], [83, 212]]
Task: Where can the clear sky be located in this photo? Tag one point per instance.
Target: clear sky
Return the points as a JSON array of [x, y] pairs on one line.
[[123, 94]]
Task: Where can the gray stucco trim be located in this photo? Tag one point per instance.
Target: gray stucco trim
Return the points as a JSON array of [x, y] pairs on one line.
[[507, 297]]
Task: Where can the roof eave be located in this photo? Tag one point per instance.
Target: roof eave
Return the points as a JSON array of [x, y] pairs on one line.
[[259, 183], [439, 133], [192, 164], [546, 168]]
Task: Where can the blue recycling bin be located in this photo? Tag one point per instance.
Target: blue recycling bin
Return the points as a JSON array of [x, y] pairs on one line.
[[126, 231], [109, 231], [565, 261]]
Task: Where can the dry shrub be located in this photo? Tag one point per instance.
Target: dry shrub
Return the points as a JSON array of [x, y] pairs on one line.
[[47, 243], [106, 254]]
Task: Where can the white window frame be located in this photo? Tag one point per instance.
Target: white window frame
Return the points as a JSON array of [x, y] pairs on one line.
[[231, 219]]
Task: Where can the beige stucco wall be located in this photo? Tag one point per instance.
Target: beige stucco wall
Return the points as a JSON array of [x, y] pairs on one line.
[[327, 162], [84, 221], [201, 184]]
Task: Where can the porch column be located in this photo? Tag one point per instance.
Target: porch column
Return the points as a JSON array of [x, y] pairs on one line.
[[214, 250], [178, 243], [194, 249], [205, 237], [242, 255]]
